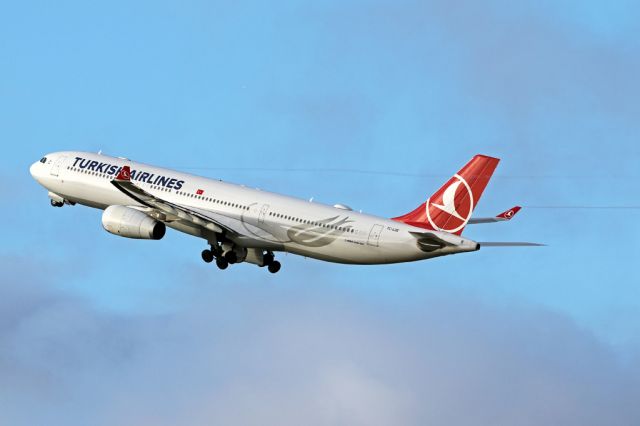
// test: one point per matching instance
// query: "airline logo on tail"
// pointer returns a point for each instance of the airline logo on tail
(456, 201)
(451, 207)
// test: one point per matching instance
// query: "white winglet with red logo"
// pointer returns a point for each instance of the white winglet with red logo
(509, 214)
(124, 175)
(450, 208)
(502, 217)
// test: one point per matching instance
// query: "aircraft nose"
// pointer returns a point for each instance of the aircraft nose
(35, 170)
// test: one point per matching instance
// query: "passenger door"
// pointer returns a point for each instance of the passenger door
(374, 235)
(263, 213)
(55, 168)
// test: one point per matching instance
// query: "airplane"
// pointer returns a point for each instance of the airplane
(241, 224)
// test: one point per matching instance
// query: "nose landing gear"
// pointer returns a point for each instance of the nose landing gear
(59, 201)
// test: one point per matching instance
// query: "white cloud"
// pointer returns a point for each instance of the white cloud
(300, 353)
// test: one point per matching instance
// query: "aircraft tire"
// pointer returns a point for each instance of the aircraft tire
(274, 266)
(268, 259)
(207, 256)
(231, 257)
(222, 263)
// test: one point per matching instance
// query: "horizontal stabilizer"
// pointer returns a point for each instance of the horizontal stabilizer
(509, 244)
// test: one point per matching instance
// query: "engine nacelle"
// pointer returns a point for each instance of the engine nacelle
(131, 223)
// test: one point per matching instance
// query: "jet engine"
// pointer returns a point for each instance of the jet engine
(131, 223)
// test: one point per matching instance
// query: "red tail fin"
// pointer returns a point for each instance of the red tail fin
(450, 208)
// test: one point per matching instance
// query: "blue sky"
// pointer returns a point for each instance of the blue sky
(406, 87)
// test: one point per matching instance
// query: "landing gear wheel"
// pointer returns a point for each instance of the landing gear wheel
(274, 267)
(56, 203)
(222, 263)
(207, 256)
(268, 259)
(231, 257)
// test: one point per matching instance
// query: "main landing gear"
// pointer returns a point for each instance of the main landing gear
(222, 262)
(274, 266)
(225, 258)
(207, 256)
(55, 203)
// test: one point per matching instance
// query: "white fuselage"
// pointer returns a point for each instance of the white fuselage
(270, 221)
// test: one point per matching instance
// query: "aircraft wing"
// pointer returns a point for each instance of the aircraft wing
(504, 216)
(167, 211)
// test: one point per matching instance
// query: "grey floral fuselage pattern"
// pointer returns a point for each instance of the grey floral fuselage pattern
(319, 233)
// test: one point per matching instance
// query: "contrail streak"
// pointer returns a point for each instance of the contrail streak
(383, 172)
(586, 207)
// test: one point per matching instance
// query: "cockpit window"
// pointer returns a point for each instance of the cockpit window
(43, 160)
